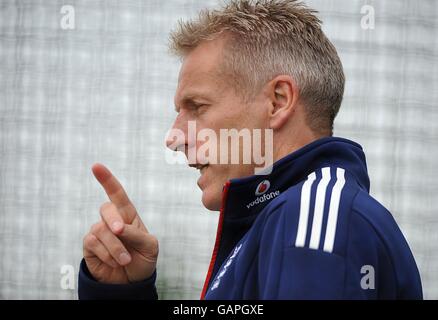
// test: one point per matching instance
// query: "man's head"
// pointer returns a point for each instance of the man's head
(255, 65)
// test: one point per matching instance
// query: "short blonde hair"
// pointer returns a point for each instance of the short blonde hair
(270, 38)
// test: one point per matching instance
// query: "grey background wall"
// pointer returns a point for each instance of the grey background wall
(103, 91)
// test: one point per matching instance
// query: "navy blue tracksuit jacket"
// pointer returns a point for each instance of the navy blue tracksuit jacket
(308, 230)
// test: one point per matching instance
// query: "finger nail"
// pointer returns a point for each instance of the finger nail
(117, 226)
(124, 258)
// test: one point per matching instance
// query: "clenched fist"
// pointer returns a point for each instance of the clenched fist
(119, 249)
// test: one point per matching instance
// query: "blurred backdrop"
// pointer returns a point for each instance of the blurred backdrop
(103, 92)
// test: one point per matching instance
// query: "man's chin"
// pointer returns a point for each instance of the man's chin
(211, 201)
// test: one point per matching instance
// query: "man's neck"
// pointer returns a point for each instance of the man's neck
(283, 147)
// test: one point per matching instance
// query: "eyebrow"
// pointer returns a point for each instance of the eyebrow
(190, 98)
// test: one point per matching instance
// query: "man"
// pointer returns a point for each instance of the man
(307, 230)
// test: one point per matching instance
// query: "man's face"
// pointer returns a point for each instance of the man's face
(205, 95)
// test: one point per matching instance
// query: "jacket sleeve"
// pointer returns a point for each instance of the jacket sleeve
(308, 274)
(305, 274)
(90, 289)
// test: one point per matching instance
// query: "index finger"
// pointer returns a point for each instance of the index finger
(115, 191)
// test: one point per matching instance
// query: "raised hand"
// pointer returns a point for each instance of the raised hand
(119, 249)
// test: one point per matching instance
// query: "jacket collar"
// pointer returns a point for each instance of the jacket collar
(248, 196)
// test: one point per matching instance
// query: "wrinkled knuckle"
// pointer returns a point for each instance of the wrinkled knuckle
(154, 245)
(107, 257)
(115, 251)
(90, 241)
(97, 228)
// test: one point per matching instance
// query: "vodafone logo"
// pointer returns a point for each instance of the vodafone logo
(262, 195)
(262, 187)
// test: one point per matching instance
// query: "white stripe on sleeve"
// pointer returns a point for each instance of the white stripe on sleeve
(319, 209)
(304, 210)
(333, 211)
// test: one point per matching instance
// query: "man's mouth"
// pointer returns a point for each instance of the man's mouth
(200, 167)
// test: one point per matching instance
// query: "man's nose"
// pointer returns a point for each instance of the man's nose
(176, 139)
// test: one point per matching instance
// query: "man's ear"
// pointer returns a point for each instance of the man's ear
(282, 93)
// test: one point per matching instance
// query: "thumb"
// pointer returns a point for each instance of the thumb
(140, 240)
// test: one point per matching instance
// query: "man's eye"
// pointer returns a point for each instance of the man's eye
(198, 106)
